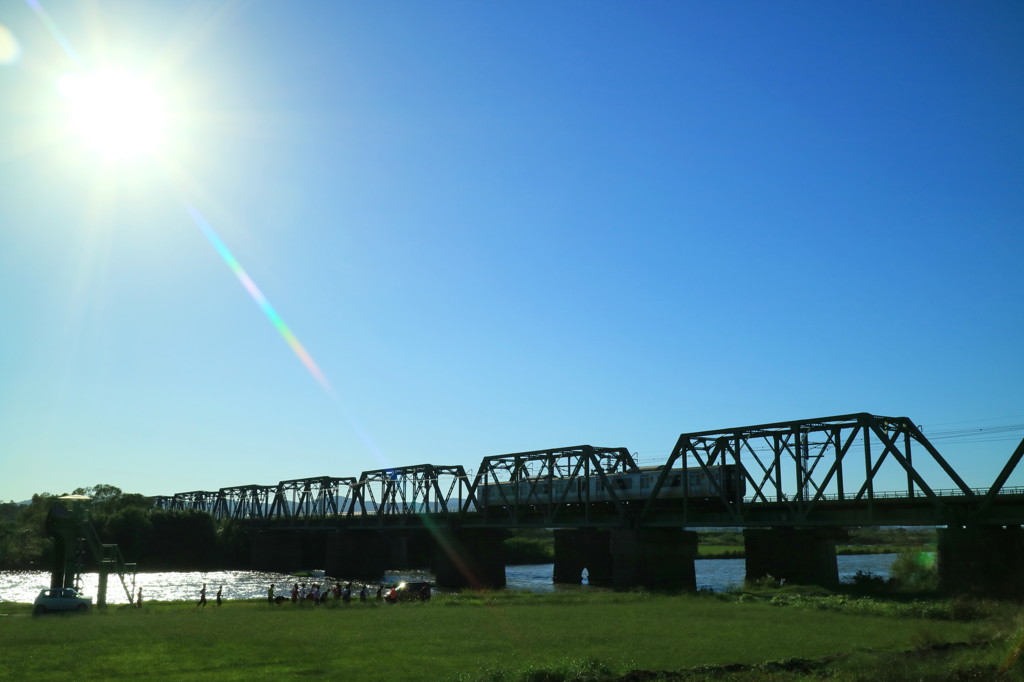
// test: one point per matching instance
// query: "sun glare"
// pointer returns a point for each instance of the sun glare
(116, 114)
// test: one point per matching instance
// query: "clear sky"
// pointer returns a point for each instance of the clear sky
(478, 228)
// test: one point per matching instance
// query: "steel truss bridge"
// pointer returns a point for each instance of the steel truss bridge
(812, 472)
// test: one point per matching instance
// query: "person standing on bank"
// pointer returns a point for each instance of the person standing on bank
(270, 594)
(219, 592)
(202, 596)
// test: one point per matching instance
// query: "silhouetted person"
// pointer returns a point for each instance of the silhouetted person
(270, 594)
(202, 596)
(219, 593)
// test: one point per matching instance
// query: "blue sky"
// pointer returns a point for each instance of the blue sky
(499, 227)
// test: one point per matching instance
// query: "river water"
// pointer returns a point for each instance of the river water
(712, 574)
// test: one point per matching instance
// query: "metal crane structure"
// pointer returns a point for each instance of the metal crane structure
(75, 539)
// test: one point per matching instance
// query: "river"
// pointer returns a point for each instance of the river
(712, 574)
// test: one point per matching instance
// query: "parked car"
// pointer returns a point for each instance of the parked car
(415, 591)
(61, 599)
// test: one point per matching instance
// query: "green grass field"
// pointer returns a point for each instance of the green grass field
(499, 636)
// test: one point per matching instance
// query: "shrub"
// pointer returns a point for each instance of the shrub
(868, 579)
(915, 570)
(768, 582)
(529, 550)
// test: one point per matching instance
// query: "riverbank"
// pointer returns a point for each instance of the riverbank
(512, 636)
(728, 544)
(538, 546)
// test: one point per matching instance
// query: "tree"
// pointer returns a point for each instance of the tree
(131, 529)
(101, 492)
(24, 543)
(9, 511)
(34, 513)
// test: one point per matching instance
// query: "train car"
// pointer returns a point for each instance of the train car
(631, 486)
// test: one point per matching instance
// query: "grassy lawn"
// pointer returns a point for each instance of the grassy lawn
(468, 637)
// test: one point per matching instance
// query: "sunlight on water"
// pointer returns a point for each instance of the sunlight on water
(713, 574)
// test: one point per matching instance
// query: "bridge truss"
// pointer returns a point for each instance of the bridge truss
(846, 470)
(403, 492)
(307, 499)
(549, 486)
(800, 466)
(244, 502)
(196, 500)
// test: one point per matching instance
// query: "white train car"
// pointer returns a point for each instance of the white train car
(632, 486)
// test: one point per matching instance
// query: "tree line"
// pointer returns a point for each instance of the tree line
(156, 539)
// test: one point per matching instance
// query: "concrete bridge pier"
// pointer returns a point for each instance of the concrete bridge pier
(357, 554)
(314, 551)
(985, 560)
(279, 551)
(806, 556)
(656, 558)
(419, 549)
(472, 558)
(398, 550)
(577, 549)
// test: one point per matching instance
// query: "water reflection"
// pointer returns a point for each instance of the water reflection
(713, 574)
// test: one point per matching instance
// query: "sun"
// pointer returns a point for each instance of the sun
(117, 114)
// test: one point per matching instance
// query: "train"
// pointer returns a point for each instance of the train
(629, 486)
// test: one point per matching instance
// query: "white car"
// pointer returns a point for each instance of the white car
(61, 599)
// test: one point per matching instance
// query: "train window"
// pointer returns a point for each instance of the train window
(675, 481)
(694, 479)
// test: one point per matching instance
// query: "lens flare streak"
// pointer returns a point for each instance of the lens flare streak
(260, 299)
(58, 35)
